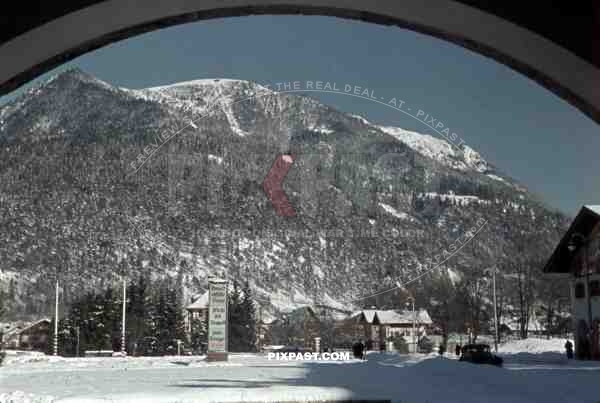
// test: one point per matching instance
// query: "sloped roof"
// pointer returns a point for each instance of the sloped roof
(37, 322)
(200, 303)
(585, 221)
(14, 328)
(391, 317)
(10, 327)
(369, 315)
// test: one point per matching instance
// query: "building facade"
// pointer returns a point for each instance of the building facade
(197, 310)
(378, 328)
(577, 258)
(33, 336)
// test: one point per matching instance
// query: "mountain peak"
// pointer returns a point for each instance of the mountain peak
(76, 75)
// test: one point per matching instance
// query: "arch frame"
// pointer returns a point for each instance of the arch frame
(74, 34)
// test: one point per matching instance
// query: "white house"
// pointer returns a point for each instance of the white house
(381, 325)
(197, 310)
(577, 257)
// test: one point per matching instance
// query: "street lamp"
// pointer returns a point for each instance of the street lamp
(56, 319)
(122, 263)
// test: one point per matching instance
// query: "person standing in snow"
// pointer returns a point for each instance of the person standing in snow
(457, 350)
(569, 348)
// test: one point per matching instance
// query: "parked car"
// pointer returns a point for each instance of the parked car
(479, 354)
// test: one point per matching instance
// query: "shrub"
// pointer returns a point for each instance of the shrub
(400, 344)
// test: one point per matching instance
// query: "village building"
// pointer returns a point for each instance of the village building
(299, 327)
(577, 258)
(263, 331)
(21, 335)
(379, 327)
(197, 310)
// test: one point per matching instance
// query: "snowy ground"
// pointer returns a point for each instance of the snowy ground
(538, 375)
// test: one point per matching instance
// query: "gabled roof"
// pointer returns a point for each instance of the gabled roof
(402, 317)
(584, 223)
(369, 315)
(15, 328)
(392, 317)
(200, 303)
(37, 322)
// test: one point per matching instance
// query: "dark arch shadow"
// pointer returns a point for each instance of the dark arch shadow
(573, 90)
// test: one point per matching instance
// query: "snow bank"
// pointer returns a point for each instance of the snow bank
(30, 358)
(534, 351)
(22, 397)
(533, 345)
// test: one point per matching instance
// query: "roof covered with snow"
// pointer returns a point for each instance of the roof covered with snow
(14, 328)
(200, 303)
(393, 317)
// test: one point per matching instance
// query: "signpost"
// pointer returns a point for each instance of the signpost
(217, 320)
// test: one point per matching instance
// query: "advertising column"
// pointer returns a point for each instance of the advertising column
(217, 320)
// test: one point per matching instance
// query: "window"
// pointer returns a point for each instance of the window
(579, 290)
(595, 288)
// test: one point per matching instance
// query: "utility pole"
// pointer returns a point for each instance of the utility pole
(495, 311)
(56, 321)
(260, 326)
(123, 350)
(493, 270)
(496, 338)
(77, 351)
(414, 325)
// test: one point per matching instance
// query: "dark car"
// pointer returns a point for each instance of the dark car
(479, 354)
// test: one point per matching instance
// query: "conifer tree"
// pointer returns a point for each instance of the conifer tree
(236, 326)
(248, 316)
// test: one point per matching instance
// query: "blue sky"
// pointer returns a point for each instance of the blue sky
(517, 125)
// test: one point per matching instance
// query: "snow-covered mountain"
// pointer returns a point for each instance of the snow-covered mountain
(461, 158)
(71, 199)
